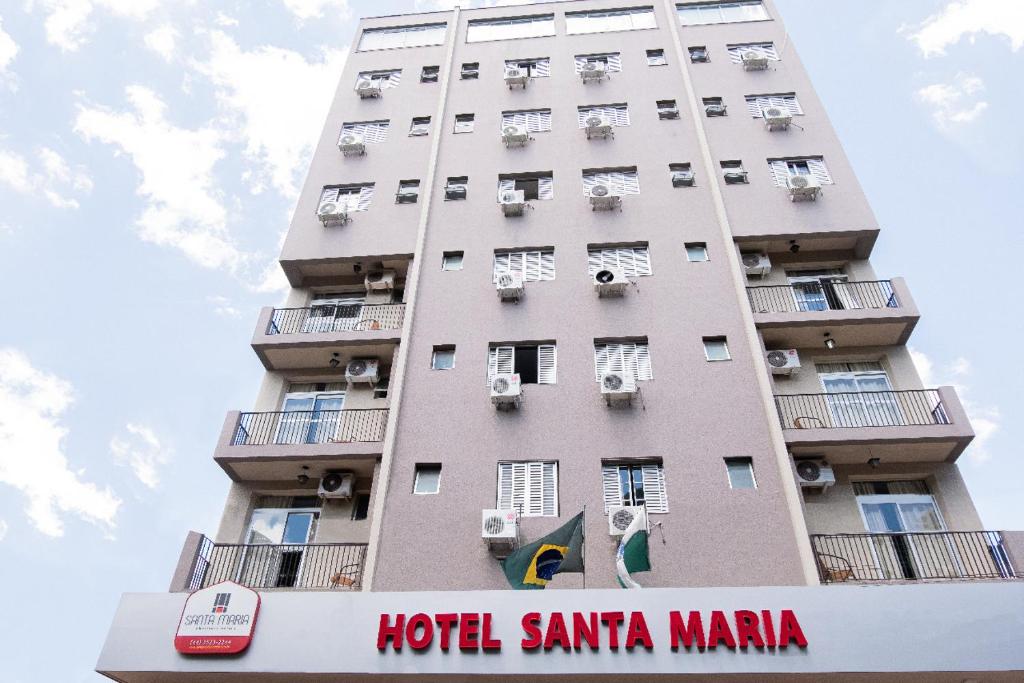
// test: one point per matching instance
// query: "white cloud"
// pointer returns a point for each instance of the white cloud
(140, 449)
(955, 103)
(67, 21)
(277, 100)
(223, 306)
(54, 178)
(162, 40)
(32, 460)
(968, 18)
(225, 20)
(8, 50)
(312, 9)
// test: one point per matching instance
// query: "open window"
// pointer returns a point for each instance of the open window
(534, 363)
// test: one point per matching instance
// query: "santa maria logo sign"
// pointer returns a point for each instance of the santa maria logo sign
(218, 620)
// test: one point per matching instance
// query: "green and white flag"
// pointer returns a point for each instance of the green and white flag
(632, 554)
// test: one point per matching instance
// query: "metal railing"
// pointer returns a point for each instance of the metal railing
(336, 318)
(861, 409)
(822, 295)
(911, 556)
(315, 426)
(297, 566)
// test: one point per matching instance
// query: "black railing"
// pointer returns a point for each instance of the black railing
(298, 566)
(311, 426)
(861, 409)
(822, 295)
(909, 556)
(336, 318)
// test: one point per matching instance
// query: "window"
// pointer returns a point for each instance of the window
(534, 120)
(733, 172)
(714, 106)
(535, 364)
(470, 70)
(814, 166)
(408, 192)
(531, 488)
(464, 123)
(430, 74)
(356, 197)
(372, 132)
(427, 480)
(634, 261)
(443, 358)
(533, 266)
(621, 181)
(681, 175)
(901, 506)
(401, 36)
(694, 14)
(388, 78)
(534, 185)
(656, 58)
(617, 114)
(640, 483)
(534, 68)
(610, 20)
(513, 27)
(361, 506)
(766, 50)
(696, 252)
(667, 109)
(698, 54)
(612, 61)
(787, 102)
(452, 260)
(456, 188)
(860, 395)
(716, 349)
(634, 357)
(380, 389)
(420, 126)
(741, 473)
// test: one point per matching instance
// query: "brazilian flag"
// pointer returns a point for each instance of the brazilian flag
(533, 565)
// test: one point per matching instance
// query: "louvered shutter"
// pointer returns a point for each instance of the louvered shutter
(655, 496)
(512, 486)
(766, 49)
(819, 171)
(539, 68)
(363, 199)
(642, 354)
(529, 487)
(501, 265)
(500, 360)
(634, 261)
(619, 182)
(612, 60)
(785, 102)
(549, 489)
(545, 187)
(388, 79)
(617, 114)
(779, 171)
(536, 121)
(505, 185)
(623, 357)
(373, 132)
(546, 364)
(610, 489)
(533, 266)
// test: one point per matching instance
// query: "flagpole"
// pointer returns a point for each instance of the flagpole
(583, 546)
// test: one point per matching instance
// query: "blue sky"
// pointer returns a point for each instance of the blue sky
(150, 154)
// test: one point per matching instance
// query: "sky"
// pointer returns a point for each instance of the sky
(151, 152)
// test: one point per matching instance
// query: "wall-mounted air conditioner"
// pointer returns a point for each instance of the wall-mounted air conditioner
(365, 370)
(618, 387)
(776, 118)
(500, 529)
(610, 282)
(783, 361)
(593, 71)
(756, 265)
(620, 517)
(753, 60)
(509, 286)
(516, 76)
(332, 211)
(597, 126)
(815, 473)
(368, 87)
(513, 202)
(337, 485)
(351, 143)
(514, 135)
(602, 199)
(802, 187)
(506, 390)
(379, 281)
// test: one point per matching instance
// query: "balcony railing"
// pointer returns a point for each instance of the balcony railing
(861, 409)
(318, 426)
(934, 555)
(825, 295)
(297, 566)
(336, 318)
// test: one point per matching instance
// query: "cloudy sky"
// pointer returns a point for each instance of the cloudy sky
(150, 154)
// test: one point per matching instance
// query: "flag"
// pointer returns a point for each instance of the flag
(632, 553)
(533, 565)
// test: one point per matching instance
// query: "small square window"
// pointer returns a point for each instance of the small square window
(698, 54)
(733, 172)
(667, 109)
(443, 358)
(430, 74)
(360, 506)
(714, 106)
(456, 188)
(656, 58)
(682, 175)
(464, 123)
(420, 126)
(452, 260)
(408, 192)
(741, 473)
(470, 70)
(696, 252)
(428, 479)
(716, 349)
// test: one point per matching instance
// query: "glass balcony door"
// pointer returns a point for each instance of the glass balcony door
(822, 290)
(861, 399)
(334, 313)
(310, 417)
(900, 553)
(276, 546)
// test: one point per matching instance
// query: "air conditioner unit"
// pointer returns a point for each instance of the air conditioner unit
(754, 60)
(682, 179)
(715, 109)
(618, 387)
(506, 390)
(776, 117)
(514, 75)
(756, 264)
(610, 282)
(368, 87)
(621, 516)
(783, 361)
(514, 135)
(513, 202)
(500, 527)
(735, 177)
(509, 286)
(596, 125)
(363, 370)
(802, 187)
(379, 281)
(602, 199)
(336, 485)
(593, 71)
(351, 143)
(331, 210)
(815, 474)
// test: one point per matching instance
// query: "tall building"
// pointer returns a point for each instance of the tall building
(575, 257)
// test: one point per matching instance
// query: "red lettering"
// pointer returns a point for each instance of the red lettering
(692, 630)
(637, 631)
(582, 629)
(789, 630)
(486, 640)
(531, 627)
(445, 623)
(556, 631)
(719, 631)
(747, 631)
(769, 627)
(613, 619)
(387, 632)
(469, 628)
(416, 621)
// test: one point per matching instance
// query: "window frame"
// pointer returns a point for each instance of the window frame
(575, 22)
(419, 122)
(469, 71)
(655, 54)
(652, 482)
(421, 467)
(546, 470)
(449, 186)
(633, 355)
(405, 31)
(430, 74)
(749, 467)
(461, 255)
(716, 340)
(721, 5)
(462, 124)
(701, 245)
(637, 263)
(523, 20)
(501, 359)
(440, 350)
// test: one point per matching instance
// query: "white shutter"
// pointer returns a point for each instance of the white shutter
(539, 68)
(365, 196)
(533, 266)
(817, 168)
(619, 182)
(549, 492)
(528, 487)
(766, 49)
(655, 496)
(642, 354)
(611, 491)
(819, 171)
(617, 114)
(501, 360)
(634, 261)
(545, 187)
(779, 171)
(755, 103)
(546, 364)
(373, 132)
(513, 485)
(612, 60)
(623, 357)
(535, 121)
(388, 79)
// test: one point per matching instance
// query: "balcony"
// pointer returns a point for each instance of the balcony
(872, 313)
(294, 338)
(252, 443)
(912, 556)
(924, 425)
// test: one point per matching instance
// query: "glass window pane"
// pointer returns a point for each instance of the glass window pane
(696, 252)
(297, 528)
(443, 359)
(267, 526)
(741, 473)
(716, 349)
(428, 479)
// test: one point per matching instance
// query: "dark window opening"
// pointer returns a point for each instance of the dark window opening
(530, 186)
(526, 364)
(470, 70)
(430, 74)
(361, 506)
(456, 188)
(699, 54)
(667, 109)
